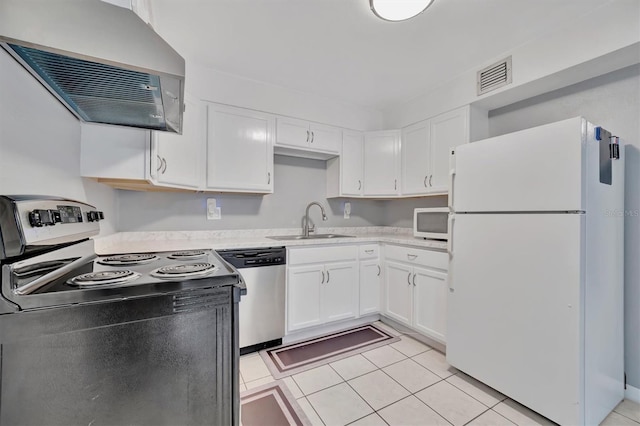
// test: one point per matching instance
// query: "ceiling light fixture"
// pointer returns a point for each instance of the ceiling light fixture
(398, 10)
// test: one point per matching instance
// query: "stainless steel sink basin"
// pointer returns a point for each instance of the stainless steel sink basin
(310, 237)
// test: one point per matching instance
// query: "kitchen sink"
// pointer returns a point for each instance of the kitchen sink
(310, 237)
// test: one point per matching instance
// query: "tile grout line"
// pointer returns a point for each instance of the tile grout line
(624, 415)
(467, 393)
(314, 409)
(488, 409)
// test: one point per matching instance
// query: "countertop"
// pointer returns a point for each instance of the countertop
(141, 242)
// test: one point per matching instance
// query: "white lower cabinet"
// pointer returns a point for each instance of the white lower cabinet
(399, 292)
(324, 291)
(416, 289)
(370, 279)
(303, 296)
(430, 302)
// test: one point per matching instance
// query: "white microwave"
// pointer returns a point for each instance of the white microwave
(431, 222)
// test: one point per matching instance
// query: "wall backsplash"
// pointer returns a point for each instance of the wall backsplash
(297, 181)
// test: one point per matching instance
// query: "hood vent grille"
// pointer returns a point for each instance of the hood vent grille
(494, 76)
(99, 93)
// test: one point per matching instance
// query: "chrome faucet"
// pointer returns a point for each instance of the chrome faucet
(306, 228)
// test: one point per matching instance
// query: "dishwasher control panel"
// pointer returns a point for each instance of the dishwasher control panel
(250, 258)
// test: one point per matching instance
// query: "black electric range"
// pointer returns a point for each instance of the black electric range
(141, 338)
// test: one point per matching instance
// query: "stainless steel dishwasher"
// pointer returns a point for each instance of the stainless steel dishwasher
(262, 309)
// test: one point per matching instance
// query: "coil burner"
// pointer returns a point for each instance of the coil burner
(187, 254)
(128, 259)
(185, 270)
(103, 278)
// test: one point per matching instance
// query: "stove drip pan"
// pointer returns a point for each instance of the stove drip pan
(103, 278)
(185, 270)
(187, 254)
(128, 259)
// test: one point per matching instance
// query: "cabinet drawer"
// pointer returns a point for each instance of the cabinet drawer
(298, 256)
(416, 256)
(369, 251)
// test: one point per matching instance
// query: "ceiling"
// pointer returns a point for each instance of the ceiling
(338, 49)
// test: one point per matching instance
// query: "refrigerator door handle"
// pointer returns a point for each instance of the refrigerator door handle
(450, 222)
(452, 174)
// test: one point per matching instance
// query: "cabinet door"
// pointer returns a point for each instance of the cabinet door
(416, 148)
(399, 290)
(324, 138)
(292, 132)
(370, 276)
(303, 296)
(177, 160)
(351, 163)
(339, 291)
(430, 302)
(381, 163)
(448, 130)
(240, 149)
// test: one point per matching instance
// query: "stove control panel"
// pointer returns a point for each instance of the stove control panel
(43, 221)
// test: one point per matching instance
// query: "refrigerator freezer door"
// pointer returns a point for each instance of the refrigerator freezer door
(537, 169)
(514, 316)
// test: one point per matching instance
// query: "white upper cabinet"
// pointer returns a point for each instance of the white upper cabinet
(416, 159)
(345, 173)
(178, 160)
(239, 149)
(381, 163)
(299, 136)
(448, 130)
(351, 163)
(325, 138)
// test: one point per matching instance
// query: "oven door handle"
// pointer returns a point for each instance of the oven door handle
(53, 275)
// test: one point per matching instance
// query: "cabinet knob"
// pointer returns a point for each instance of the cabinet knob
(414, 280)
(379, 270)
(307, 136)
(395, 184)
(312, 137)
(268, 178)
(359, 184)
(425, 181)
(411, 256)
(328, 277)
(322, 282)
(164, 161)
(430, 177)
(159, 163)
(409, 278)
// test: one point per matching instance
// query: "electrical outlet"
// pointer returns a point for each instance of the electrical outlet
(347, 210)
(213, 211)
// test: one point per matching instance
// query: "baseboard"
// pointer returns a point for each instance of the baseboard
(632, 394)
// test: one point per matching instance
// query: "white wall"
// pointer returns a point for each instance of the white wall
(40, 144)
(587, 46)
(216, 86)
(611, 101)
(297, 182)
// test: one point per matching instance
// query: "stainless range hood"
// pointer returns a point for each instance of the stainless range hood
(101, 61)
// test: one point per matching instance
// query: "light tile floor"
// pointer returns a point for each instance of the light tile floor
(404, 383)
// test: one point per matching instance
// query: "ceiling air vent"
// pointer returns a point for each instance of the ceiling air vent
(494, 76)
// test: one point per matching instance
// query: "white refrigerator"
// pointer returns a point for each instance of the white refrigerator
(535, 303)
